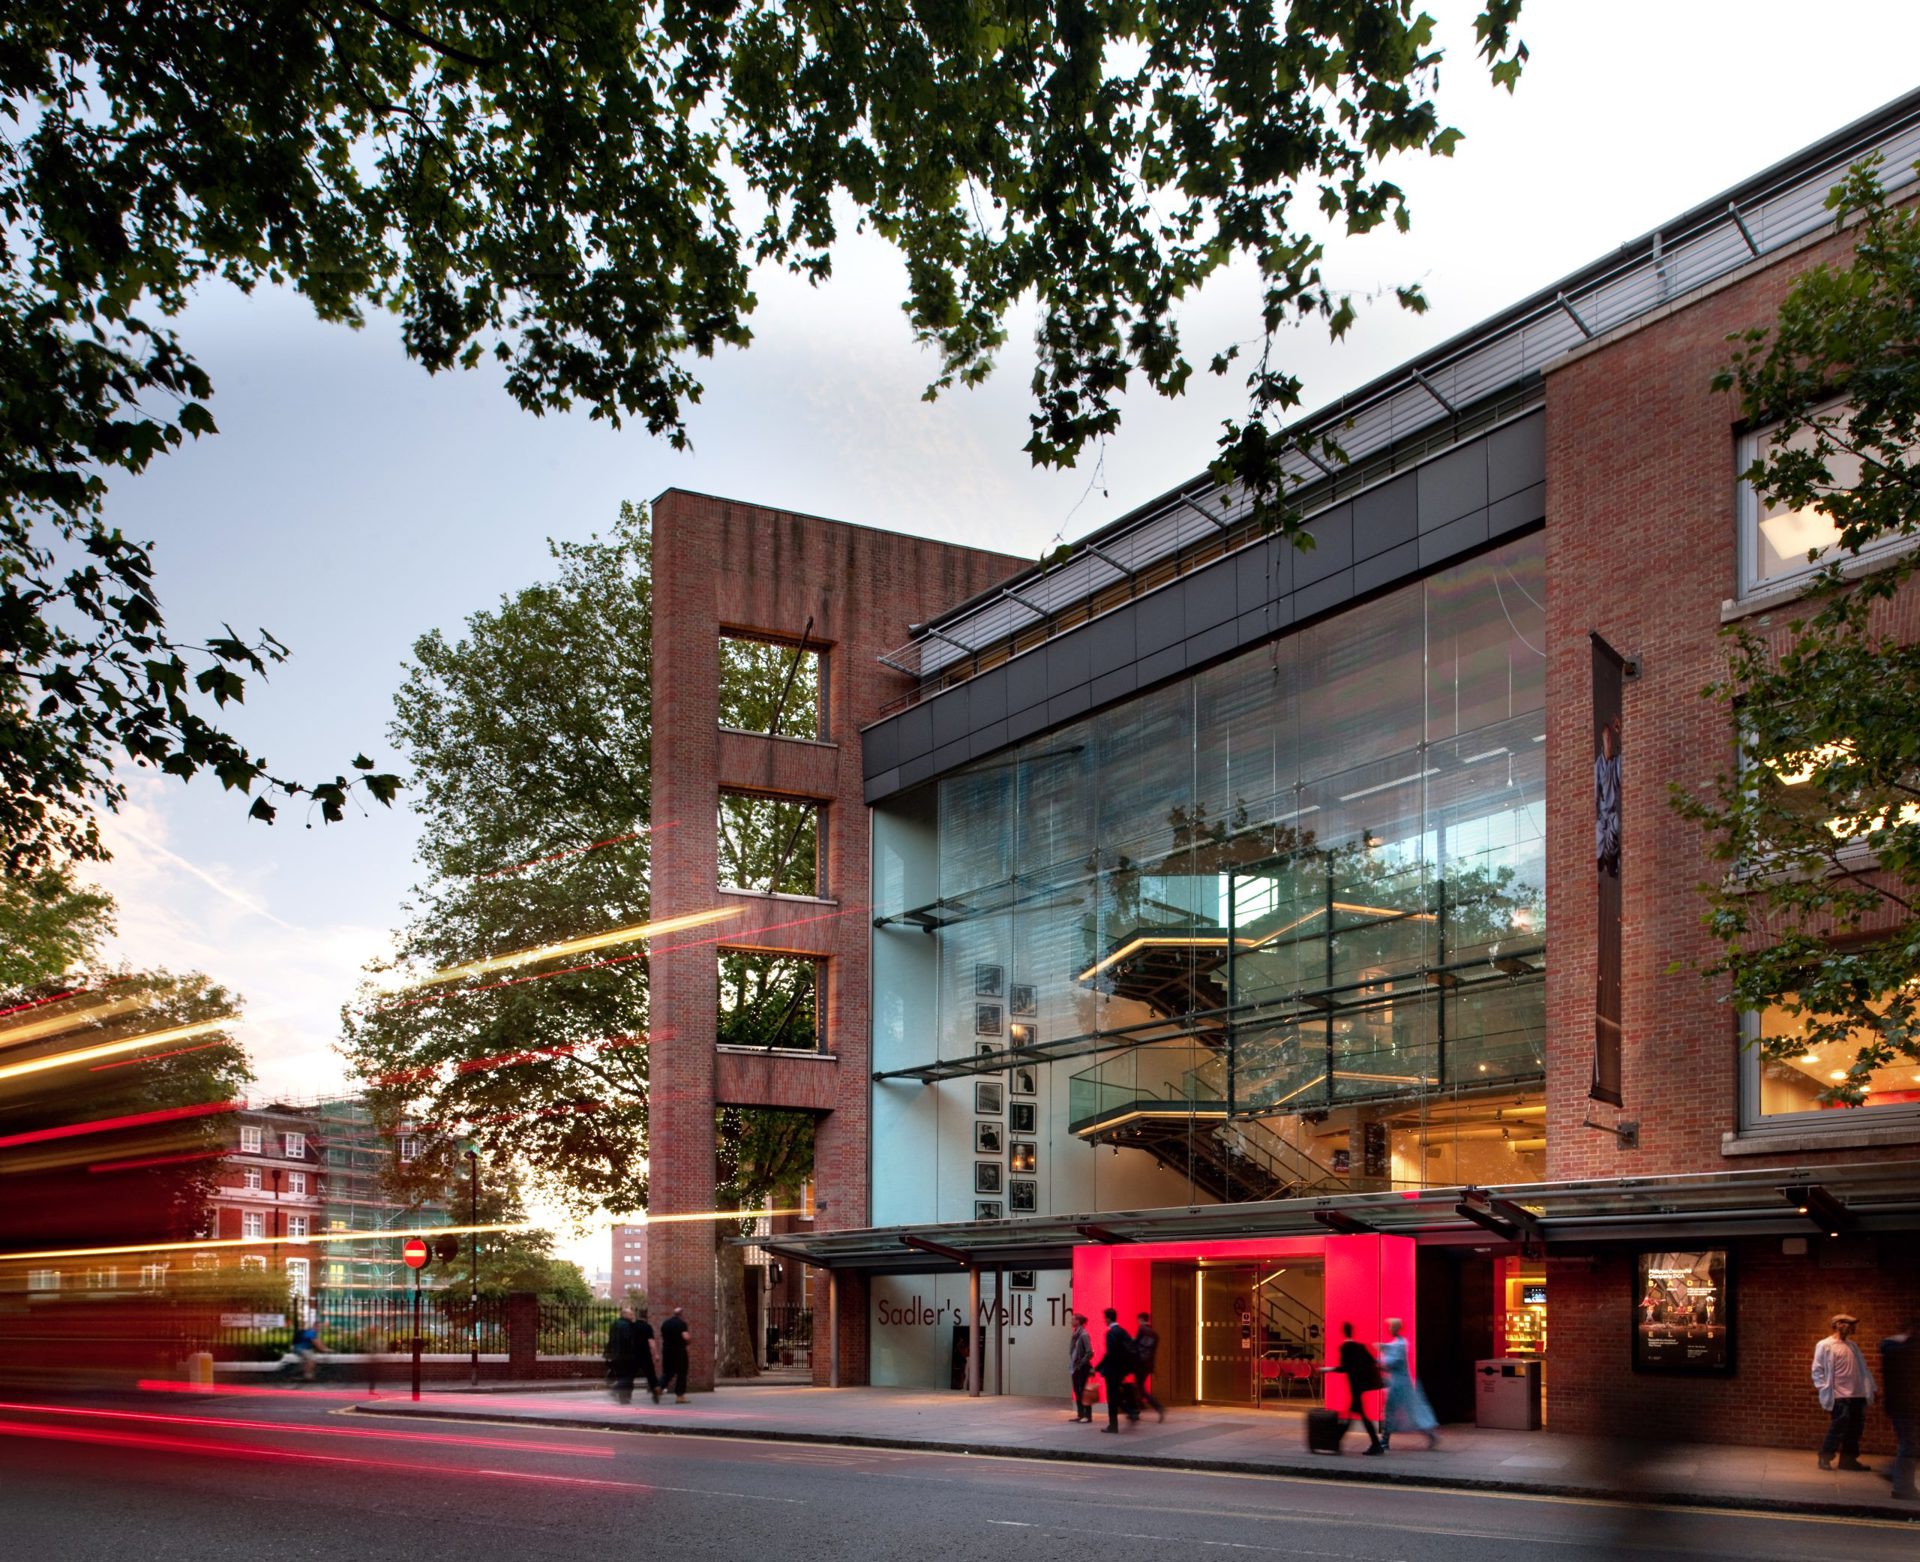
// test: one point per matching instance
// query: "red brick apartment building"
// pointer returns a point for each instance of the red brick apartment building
(1212, 926)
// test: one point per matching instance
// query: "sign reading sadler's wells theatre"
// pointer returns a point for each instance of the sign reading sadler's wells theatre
(1609, 670)
(1683, 1312)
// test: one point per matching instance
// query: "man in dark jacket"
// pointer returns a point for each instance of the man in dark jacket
(1115, 1367)
(1363, 1378)
(1146, 1346)
(643, 1352)
(1900, 1386)
(673, 1356)
(622, 1356)
(1080, 1366)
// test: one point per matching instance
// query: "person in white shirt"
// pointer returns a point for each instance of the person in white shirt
(1845, 1387)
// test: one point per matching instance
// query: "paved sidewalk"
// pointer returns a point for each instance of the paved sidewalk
(1270, 1442)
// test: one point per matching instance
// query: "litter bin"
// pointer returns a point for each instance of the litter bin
(1507, 1393)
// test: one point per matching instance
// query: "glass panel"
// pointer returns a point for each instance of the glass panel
(1792, 1084)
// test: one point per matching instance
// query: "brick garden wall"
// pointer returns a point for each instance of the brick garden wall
(720, 564)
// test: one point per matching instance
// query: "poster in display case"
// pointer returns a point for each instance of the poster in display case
(1683, 1311)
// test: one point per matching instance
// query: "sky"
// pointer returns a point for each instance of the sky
(351, 503)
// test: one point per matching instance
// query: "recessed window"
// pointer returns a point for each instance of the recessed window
(253, 1225)
(298, 1276)
(254, 1262)
(296, 1147)
(1785, 1089)
(773, 687)
(297, 1182)
(249, 1141)
(296, 1225)
(771, 845)
(250, 1178)
(409, 1147)
(769, 1001)
(1778, 543)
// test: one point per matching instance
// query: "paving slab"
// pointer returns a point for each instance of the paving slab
(1231, 1441)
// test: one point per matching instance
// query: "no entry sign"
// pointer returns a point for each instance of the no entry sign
(415, 1253)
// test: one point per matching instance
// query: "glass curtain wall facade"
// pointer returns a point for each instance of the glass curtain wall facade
(1299, 895)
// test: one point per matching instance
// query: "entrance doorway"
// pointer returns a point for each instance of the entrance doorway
(1249, 1333)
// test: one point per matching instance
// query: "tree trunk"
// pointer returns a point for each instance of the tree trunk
(734, 1355)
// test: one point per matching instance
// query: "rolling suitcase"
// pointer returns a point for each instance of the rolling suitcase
(1323, 1432)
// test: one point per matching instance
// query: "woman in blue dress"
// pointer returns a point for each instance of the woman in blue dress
(1407, 1407)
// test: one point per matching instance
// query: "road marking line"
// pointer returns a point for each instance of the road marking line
(594, 1480)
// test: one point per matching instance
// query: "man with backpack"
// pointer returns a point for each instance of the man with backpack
(1146, 1347)
(1116, 1366)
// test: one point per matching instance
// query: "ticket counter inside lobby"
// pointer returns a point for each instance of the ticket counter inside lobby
(1250, 1323)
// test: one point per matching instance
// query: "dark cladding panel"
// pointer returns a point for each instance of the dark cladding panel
(950, 716)
(1122, 681)
(1069, 662)
(1388, 568)
(1517, 456)
(880, 747)
(948, 755)
(1026, 681)
(1332, 549)
(987, 697)
(1211, 643)
(985, 740)
(1162, 622)
(1112, 640)
(916, 733)
(1453, 539)
(1517, 511)
(1385, 516)
(1211, 599)
(1452, 485)
(1024, 723)
(1064, 707)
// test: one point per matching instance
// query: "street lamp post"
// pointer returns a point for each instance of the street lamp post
(473, 1262)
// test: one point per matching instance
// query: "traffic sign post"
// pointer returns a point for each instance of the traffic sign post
(415, 1255)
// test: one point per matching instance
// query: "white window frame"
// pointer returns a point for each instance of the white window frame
(250, 1179)
(253, 1262)
(253, 1226)
(297, 1183)
(295, 1146)
(43, 1279)
(409, 1147)
(297, 1226)
(249, 1139)
(1747, 507)
(300, 1277)
(153, 1276)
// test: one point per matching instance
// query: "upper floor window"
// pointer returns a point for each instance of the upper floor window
(297, 1182)
(770, 1001)
(249, 1140)
(253, 1224)
(250, 1177)
(409, 1147)
(296, 1147)
(771, 845)
(1778, 543)
(774, 687)
(1782, 1085)
(296, 1225)
(299, 1276)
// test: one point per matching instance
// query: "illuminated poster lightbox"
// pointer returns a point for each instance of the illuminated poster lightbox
(1683, 1312)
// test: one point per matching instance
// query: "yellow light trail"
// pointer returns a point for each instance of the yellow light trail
(38, 1030)
(398, 1234)
(108, 1049)
(572, 946)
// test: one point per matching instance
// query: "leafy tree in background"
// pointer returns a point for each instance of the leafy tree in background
(530, 742)
(1819, 826)
(49, 925)
(577, 191)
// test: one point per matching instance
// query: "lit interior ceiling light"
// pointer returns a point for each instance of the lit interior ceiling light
(1852, 826)
(1838, 1073)
(573, 946)
(1793, 534)
(108, 1049)
(1368, 791)
(1802, 773)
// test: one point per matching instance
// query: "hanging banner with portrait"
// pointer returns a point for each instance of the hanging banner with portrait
(1609, 671)
(1683, 1312)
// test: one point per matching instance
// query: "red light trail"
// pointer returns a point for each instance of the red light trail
(155, 1057)
(109, 1124)
(575, 851)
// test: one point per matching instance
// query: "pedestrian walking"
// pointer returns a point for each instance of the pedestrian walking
(1116, 1366)
(1900, 1366)
(1146, 1349)
(643, 1352)
(1406, 1409)
(673, 1356)
(1363, 1378)
(1846, 1388)
(1080, 1368)
(306, 1349)
(622, 1357)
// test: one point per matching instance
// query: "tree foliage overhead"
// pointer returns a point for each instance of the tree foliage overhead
(577, 191)
(1819, 826)
(49, 925)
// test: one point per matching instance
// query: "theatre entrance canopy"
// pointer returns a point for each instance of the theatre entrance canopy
(1774, 1201)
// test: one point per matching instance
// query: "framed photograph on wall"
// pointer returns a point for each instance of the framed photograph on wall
(1023, 1155)
(986, 1019)
(989, 1097)
(1023, 1193)
(1026, 1081)
(986, 1177)
(1023, 1000)
(1683, 1312)
(987, 1138)
(986, 1049)
(1020, 1280)
(988, 981)
(986, 1209)
(1021, 1116)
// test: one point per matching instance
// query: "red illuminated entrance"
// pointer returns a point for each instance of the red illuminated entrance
(1255, 1321)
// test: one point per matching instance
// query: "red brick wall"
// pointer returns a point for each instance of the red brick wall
(1641, 547)
(1782, 1307)
(719, 563)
